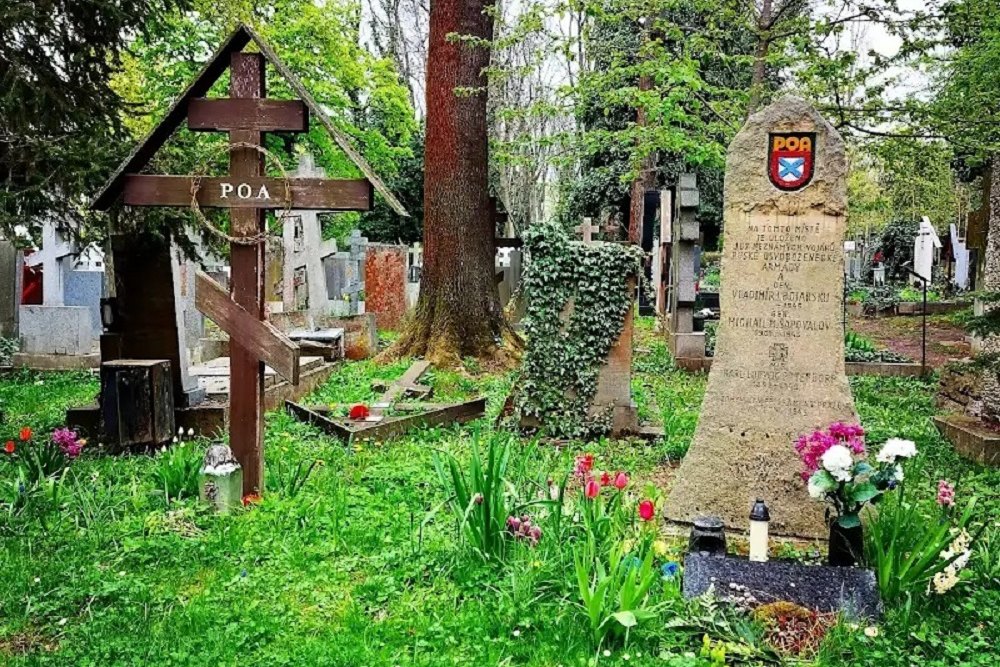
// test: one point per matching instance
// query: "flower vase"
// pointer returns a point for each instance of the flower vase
(847, 545)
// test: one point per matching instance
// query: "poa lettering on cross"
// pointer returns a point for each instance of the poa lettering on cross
(247, 192)
(243, 191)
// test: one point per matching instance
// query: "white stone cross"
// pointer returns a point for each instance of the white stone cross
(52, 257)
(924, 245)
(586, 230)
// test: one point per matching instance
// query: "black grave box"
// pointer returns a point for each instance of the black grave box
(850, 590)
(137, 402)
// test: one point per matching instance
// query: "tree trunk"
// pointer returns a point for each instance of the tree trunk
(644, 179)
(760, 57)
(991, 283)
(458, 313)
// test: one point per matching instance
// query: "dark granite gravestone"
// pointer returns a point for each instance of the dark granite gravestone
(850, 590)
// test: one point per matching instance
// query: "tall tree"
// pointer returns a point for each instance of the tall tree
(458, 313)
(59, 118)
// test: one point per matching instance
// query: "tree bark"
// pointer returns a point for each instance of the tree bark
(458, 313)
(991, 283)
(760, 57)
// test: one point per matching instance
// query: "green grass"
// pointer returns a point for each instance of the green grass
(364, 567)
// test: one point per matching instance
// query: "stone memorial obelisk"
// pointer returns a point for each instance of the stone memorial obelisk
(778, 370)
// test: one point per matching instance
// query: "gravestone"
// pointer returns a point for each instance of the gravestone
(778, 370)
(385, 284)
(414, 268)
(61, 332)
(684, 341)
(661, 253)
(925, 246)
(345, 277)
(960, 254)
(10, 289)
(303, 277)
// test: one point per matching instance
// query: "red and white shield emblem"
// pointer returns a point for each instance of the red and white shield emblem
(790, 161)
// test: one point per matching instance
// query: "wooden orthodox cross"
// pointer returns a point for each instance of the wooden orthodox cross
(247, 193)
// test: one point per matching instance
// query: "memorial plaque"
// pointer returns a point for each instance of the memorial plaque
(778, 371)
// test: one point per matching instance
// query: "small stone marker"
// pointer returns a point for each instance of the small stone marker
(778, 371)
(586, 230)
(221, 479)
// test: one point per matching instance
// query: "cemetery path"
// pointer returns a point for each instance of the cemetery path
(946, 340)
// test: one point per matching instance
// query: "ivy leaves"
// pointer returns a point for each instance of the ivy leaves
(578, 296)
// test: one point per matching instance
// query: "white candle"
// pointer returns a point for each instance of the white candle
(759, 518)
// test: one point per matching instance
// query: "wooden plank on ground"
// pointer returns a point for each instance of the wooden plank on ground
(259, 338)
(456, 413)
(308, 416)
(399, 387)
(249, 192)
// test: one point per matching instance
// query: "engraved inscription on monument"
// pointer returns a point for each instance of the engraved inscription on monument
(779, 365)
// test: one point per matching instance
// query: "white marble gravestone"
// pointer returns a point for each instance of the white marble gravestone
(925, 248)
(304, 278)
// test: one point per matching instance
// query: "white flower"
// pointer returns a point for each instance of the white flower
(896, 448)
(897, 474)
(815, 490)
(871, 631)
(944, 581)
(838, 462)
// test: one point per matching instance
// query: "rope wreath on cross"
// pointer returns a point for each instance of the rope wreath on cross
(200, 217)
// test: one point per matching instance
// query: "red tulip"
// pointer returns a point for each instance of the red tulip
(605, 478)
(360, 411)
(621, 480)
(591, 489)
(9, 447)
(647, 510)
(25, 434)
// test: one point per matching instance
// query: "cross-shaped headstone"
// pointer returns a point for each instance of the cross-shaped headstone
(611, 230)
(586, 230)
(53, 258)
(247, 192)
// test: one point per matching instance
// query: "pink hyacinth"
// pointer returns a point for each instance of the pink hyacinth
(68, 442)
(946, 494)
(523, 528)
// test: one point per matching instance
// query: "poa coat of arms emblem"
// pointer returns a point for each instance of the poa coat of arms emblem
(791, 158)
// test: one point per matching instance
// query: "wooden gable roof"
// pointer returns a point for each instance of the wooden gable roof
(210, 73)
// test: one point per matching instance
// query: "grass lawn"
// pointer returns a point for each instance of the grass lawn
(365, 566)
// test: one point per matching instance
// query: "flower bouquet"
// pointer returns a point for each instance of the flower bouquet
(837, 471)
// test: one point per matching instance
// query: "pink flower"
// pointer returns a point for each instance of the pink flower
(812, 447)
(68, 442)
(621, 480)
(647, 510)
(946, 494)
(584, 464)
(591, 489)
